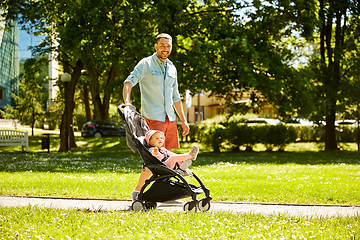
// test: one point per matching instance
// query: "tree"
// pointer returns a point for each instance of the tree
(336, 61)
(328, 84)
(215, 49)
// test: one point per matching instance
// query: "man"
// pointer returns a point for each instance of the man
(157, 78)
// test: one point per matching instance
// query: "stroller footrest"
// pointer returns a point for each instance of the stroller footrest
(197, 190)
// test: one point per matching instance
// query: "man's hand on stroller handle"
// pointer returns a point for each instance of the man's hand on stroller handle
(130, 105)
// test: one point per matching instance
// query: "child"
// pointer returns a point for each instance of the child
(155, 139)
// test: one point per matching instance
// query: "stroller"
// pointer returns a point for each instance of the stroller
(165, 184)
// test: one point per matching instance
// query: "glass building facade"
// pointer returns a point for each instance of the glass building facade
(9, 63)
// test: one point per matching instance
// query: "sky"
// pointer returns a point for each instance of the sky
(25, 41)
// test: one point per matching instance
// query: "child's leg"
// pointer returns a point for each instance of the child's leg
(170, 162)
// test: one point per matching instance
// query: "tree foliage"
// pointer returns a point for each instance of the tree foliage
(225, 47)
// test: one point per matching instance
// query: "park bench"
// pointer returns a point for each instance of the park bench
(14, 138)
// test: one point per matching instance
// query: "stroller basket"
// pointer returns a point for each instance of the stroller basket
(165, 184)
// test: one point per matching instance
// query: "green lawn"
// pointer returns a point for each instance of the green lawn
(36, 223)
(106, 168)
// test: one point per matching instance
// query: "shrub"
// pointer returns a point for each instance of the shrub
(309, 133)
(194, 134)
(303, 133)
(239, 134)
(214, 136)
(346, 134)
(273, 136)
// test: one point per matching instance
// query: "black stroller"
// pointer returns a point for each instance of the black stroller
(165, 184)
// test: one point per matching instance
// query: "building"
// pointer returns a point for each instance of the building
(212, 106)
(9, 63)
(14, 47)
(26, 41)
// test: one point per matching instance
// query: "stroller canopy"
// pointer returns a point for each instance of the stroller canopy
(135, 126)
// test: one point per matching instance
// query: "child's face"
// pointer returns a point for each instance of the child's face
(156, 140)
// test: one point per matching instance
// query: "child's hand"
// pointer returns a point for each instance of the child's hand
(155, 152)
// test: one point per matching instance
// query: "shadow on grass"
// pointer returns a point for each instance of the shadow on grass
(113, 155)
(304, 158)
(91, 155)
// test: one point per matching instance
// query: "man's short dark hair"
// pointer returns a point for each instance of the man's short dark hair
(163, 35)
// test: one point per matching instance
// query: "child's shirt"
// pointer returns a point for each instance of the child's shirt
(163, 153)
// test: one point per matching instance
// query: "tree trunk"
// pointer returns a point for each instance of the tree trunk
(330, 69)
(87, 104)
(32, 124)
(101, 106)
(71, 105)
(330, 136)
(333, 87)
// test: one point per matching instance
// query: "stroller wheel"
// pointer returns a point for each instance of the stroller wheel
(190, 206)
(204, 204)
(137, 206)
(151, 205)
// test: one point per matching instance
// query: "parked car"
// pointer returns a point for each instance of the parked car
(345, 122)
(100, 129)
(270, 121)
(301, 121)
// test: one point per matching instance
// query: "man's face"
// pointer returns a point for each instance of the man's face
(163, 48)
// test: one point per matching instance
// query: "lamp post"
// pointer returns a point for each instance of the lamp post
(65, 78)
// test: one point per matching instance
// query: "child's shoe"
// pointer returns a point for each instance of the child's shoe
(134, 195)
(186, 164)
(194, 152)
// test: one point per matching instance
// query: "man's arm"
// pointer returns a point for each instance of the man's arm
(126, 94)
(179, 110)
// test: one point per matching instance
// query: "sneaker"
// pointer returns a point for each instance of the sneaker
(186, 164)
(194, 152)
(134, 195)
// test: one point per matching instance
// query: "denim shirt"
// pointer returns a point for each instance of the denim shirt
(159, 90)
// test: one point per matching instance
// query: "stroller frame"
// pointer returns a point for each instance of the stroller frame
(165, 184)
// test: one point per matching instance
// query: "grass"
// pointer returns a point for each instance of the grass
(106, 168)
(39, 223)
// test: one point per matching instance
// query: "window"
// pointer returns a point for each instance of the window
(2, 93)
(220, 111)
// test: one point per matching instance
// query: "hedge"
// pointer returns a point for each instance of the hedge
(235, 135)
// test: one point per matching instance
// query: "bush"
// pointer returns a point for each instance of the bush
(346, 134)
(194, 134)
(239, 134)
(214, 136)
(277, 136)
(309, 133)
(303, 133)
(79, 120)
(232, 133)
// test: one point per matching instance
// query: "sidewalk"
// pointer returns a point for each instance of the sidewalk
(177, 206)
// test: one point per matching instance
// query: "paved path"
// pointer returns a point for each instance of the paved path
(177, 206)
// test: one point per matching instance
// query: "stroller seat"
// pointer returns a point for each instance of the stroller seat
(165, 184)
